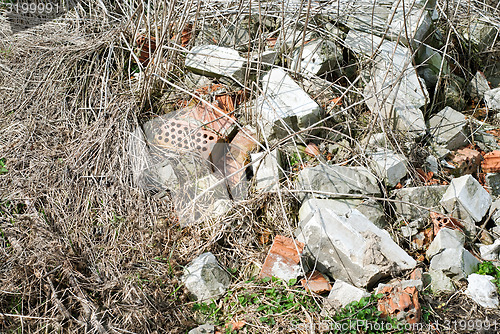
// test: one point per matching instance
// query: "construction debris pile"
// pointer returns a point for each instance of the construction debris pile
(270, 115)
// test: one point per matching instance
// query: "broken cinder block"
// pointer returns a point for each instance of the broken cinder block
(449, 127)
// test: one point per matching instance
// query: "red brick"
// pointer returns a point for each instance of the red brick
(282, 250)
(316, 283)
(491, 163)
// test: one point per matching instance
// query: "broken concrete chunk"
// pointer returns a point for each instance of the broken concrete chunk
(440, 283)
(492, 98)
(482, 290)
(283, 259)
(456, 263)
(267, 170)
(343, 294)
(326, 181)
(217, 61)
(490, 252)
(424, 199)
(370, 208)
(389, 166)
(449, 127)
(204, 278)
(316, 282)
(395, 91)
(284, 101)
(317, 57)
(203, 329)
(445, 238)
(478, 85)
(466, 193)
(350, 247)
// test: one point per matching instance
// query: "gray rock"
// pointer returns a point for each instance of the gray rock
(466, 194)
(317, 57)
(425, 198)
(336, 182)
(440, 283)
(204, 278)
(285, 107)
(343, 294)
(449, 127)
(492, 98)
(408, 231)
(203, 329)
(349, 247)
(432, 164)
(417, 283)
(486, 141)
(235, 36)
(495, 212)
(478, 86)
(482, 290)
(456, 263)
(388, 165)
(490, 252)
(267, 172)
(480, 32)
(217, 61)
(446, 238)
(492, 181)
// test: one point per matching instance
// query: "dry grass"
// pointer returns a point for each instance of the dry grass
(82, 248)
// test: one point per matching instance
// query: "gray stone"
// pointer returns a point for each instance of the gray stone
(486, 141)
(336, 182)
(408, 231)
(388, 165)
(349, 247)
(465, 193)
(482, 290)
(449, 127)
(478, 86)
(480, 33)
(440, 283)
(217, 61)
(235, 36)
(492, 98)
(456, 263)
(267, 170)
(342, 294)
(399, 102)
(204, 278)
(203, 329)
(424, 199)
(490, 252)
(446, 238)
(317, 57)
(285, 108)
(495, 211)
(432, 164)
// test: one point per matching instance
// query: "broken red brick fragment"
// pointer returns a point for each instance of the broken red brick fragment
(147, 46)
(400, 303)
(312, 150)
(467, 161)
(316, 283)
(441, 221)
(284, 255)
(244, 142)
(491, 162)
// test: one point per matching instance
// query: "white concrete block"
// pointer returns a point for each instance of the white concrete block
(490, 252)
(350, 247)
(388, 165)
(446, 238)
(456, 263)
(267, 171)
(482, 290)
(213, 60)
(467, 193)
(343, 294)
(317, 57)
(449, 127)
(492, 98)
